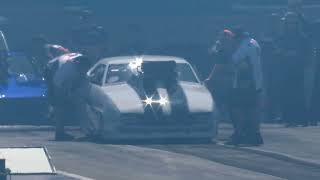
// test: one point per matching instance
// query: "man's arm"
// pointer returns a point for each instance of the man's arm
(220, 58)
(211, 73)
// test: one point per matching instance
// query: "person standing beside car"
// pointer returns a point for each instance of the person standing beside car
(219, 80)
(246, 90)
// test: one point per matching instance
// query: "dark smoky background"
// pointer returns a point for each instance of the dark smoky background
(182, 28)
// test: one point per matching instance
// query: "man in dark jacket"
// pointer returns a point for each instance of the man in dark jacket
(219, 80)
(294, 51)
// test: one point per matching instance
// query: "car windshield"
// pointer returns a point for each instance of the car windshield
(118, 73)
(19, 64)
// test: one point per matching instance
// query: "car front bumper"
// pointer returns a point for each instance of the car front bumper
(168, 128)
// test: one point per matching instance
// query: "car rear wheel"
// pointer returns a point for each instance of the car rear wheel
(95, 124)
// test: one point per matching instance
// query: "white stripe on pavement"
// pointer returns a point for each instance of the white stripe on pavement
(74, 175)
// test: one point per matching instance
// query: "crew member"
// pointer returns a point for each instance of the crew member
(246, 89)
(294, 51)
(68, 72)
(220, 79)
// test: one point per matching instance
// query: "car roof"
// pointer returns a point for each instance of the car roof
(128, 59)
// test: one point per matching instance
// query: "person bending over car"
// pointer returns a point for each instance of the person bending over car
(68, 71)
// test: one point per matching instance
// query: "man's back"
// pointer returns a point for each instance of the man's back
(63, 71)
(249, 49)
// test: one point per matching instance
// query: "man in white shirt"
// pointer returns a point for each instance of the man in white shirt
(67, 73)
(247, 87)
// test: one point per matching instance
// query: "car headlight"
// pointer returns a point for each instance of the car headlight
(150, 100)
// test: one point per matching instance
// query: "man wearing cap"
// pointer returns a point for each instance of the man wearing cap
(219, 79)
(247, 86)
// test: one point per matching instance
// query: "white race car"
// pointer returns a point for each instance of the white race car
(146, 97)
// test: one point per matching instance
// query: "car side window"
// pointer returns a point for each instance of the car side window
(97, 74)
(185, 73)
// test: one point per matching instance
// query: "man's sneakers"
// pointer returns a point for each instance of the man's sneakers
(235, 140)
(242, 140)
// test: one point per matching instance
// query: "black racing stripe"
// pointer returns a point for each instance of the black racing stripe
(154, 111)
(150, 112)
(180, 109)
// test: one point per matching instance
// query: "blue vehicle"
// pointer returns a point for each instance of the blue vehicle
(23, 94)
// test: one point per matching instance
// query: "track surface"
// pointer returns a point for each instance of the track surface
(188, 161)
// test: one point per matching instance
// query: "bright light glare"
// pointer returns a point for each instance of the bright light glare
(148, 101)
(139, 61)
(135, 64)
(163, 101)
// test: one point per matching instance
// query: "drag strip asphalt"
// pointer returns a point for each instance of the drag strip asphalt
(166, 161)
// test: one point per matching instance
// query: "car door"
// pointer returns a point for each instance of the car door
(92, 121)
(96, 79)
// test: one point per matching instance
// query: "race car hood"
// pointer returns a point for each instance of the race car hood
(192, 97)
(28, 89)
(199, 99)
(124, 98)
